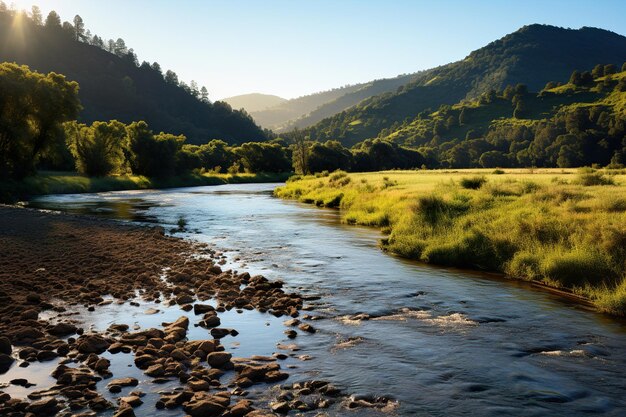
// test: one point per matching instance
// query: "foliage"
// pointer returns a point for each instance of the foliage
(99, 149)
(33, 108)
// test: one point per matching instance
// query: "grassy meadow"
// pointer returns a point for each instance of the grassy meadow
(52, 182)
(564, 228)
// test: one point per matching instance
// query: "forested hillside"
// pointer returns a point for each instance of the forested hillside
(113, 84)
(532, 56)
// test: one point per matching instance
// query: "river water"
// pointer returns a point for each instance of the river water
(441, 342)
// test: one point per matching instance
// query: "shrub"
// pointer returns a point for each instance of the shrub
(576, 268)
(497, 172)
(473, 183)
(588, 179)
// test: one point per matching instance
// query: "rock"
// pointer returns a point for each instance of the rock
(124, 411)
(132, 400)
(30, 314)
(199, 385)
(242, 408)
(125, 382)
(155, 370)
(33, 298)
(93, 344)
(46, 355)
(184, 299)
(62, 329)
(280, 407)
(118, 327)
(204, 408)
(26, 336)
(115, 389)
(218, 359)
(292, 322)
(5, 362)
(102, 365)
(218, 333)
(210, 321)
(307, 328)
(182, 322)
(46, 407)
(202, 308)
(5, 345)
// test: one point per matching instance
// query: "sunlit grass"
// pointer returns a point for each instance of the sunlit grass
(563, 228)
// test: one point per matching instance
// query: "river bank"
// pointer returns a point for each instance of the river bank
(56, 269)
(50, 182)
(561, 228)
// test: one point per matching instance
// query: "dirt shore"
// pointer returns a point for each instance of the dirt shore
(50, 262)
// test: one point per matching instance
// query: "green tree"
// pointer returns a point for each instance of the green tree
(610, 69)
(98, 149)
(575, 78)
(598, 71)
(33, 107)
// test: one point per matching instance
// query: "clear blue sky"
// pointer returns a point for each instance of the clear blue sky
(292, 47)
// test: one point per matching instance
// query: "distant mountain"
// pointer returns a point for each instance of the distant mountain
(254, 102)
(115, 86)
(533, 55)
(307, 110)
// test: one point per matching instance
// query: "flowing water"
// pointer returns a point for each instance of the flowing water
(439, 341)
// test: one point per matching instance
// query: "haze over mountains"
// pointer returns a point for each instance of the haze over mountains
(533, 55)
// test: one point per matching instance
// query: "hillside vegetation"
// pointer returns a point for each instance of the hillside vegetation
(565, 229)
(533, 56)
(114, 85)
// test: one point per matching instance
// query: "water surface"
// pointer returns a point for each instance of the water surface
(442, 342)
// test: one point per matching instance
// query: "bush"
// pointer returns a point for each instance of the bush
(497, 172)
(594, 178)
(576, 268)
(473, 183)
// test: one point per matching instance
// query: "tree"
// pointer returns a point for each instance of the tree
(68, 28)
(53, 20)
(263, 157)
(610, 69)
(598, 71)
(36, 16)
(99, 149)
(152, 155)
(575, 78)
(171, 77)
(204, 95)
(624, 66)
(156, 67)
(521, 109)
(493, 159)
(33, 107)
(97, 41)
(120, 48)
(79, 28)
(300, 152)
(194, 89)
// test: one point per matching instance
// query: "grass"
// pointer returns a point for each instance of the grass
(49, 182)
(561, 228)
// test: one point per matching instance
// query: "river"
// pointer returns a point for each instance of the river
(441, 342)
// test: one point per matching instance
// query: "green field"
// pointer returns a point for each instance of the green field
(562, 228)
(70, 183)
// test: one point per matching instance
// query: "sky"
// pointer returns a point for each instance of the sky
(294, 47)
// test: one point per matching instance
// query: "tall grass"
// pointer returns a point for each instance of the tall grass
(563, 233)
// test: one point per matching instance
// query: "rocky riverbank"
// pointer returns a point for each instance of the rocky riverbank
(52, 266)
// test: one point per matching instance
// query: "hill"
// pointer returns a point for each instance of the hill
(116, 86)
(254, 102)
(307, 110)
(533, 55)
(579, 123)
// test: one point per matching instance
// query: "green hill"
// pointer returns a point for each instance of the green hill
(116, 86)
(582, 122)
(533, 55)
(254, 102)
